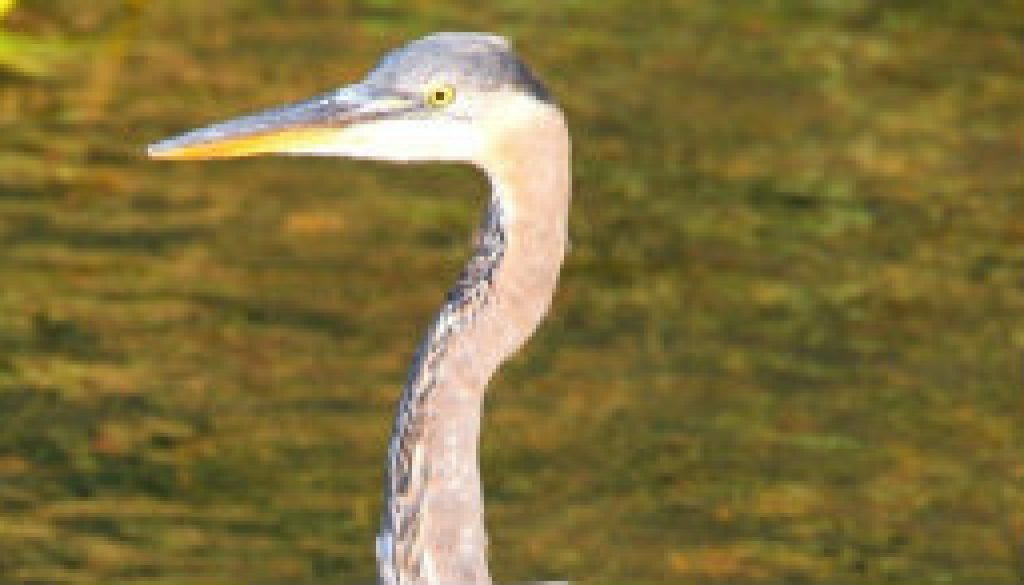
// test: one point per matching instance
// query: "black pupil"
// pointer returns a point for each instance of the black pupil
(440, 95)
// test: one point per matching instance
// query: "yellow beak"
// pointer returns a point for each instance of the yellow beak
(294, 128)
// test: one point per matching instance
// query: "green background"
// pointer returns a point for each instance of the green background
(787, 346)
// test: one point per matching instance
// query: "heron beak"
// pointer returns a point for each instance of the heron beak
(303, 127)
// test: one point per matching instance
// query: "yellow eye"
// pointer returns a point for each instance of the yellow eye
(441, 95)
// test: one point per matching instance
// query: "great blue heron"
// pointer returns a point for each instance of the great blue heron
(446, 97)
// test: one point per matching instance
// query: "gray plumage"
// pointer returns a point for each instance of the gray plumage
(472, 62)
(407, 477)
(493, 113)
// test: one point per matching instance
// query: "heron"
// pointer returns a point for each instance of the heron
(454, 97)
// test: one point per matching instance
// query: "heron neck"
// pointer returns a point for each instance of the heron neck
(433, 523)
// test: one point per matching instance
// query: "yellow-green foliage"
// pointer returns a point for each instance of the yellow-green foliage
(786, 348)
(6, 6)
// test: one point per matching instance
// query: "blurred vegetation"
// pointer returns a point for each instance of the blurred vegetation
(787, 347)
(24, 54)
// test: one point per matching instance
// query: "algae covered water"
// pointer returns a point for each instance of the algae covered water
(786, 347)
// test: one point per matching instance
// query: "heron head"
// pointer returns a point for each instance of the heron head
(447, 96)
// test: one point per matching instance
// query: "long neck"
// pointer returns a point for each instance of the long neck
(433, 520)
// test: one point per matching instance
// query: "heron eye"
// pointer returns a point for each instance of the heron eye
(441, 95)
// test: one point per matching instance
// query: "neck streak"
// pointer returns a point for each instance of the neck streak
(432, 527)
